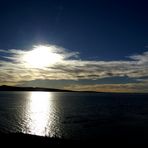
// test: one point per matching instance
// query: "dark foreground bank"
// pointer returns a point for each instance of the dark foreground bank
(136, 138)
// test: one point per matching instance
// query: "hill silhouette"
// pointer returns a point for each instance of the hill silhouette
(15, 88)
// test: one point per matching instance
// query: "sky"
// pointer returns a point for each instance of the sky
(99, 45)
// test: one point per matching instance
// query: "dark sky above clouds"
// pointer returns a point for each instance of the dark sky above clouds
(99, 30)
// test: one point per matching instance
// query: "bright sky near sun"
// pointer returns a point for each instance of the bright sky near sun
(77, 44)
(41, 56)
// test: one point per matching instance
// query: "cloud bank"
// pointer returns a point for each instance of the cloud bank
(130, 87)
(13, 69)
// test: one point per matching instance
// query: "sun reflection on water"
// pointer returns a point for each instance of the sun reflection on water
(40, 114)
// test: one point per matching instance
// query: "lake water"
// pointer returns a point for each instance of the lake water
(72, 115)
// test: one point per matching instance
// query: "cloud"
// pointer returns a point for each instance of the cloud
(129, 87)
(13, 69)
(142, 59)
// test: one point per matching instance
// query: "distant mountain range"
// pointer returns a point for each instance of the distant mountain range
(15, 88)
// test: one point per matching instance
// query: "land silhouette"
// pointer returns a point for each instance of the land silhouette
(15, 88)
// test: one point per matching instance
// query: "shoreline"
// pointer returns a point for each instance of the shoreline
(15, 139)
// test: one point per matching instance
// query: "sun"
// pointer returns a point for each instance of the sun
(41, 56)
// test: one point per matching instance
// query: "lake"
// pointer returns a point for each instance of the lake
(72, 115)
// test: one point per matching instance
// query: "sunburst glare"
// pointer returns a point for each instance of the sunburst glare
(41, 56)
